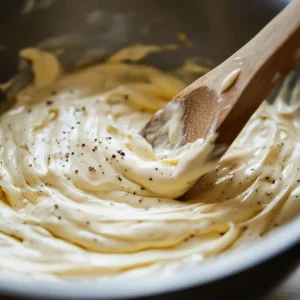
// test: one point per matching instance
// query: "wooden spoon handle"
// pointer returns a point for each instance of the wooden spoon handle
(260, 64)
(263, 61)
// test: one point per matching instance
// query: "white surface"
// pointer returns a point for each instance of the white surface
(232, 262)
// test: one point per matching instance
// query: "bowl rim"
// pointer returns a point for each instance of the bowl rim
(227, 264)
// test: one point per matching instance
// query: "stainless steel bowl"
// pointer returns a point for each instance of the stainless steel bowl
(216, 28)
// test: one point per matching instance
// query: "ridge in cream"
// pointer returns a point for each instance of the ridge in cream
(83, 194)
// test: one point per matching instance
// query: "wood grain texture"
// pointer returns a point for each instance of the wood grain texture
(266, 59)
(263, 61)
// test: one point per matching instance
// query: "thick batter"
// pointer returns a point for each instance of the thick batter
(82, 193)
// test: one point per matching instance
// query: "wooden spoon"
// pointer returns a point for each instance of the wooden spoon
(228, 95)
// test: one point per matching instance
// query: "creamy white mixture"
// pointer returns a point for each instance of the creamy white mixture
(82, 193)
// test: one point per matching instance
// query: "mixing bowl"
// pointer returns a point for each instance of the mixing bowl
(210, 30)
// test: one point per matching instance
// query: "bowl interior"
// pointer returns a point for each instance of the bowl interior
(215, 29)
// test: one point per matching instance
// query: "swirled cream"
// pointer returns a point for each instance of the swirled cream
(82, 193)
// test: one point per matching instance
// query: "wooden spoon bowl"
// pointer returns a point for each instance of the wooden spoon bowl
(225, 98)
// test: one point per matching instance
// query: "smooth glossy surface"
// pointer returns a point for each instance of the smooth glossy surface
(223, 28)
